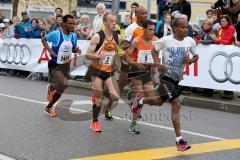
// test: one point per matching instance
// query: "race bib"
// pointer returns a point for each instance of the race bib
(63, 57)
(145, 56)
(108, 60)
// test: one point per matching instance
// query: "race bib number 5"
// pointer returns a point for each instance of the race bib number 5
(108, 59)
(145, 56)
(63, 57)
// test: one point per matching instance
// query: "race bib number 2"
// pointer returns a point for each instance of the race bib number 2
(109, 58)
(63, 57)
(145, 56)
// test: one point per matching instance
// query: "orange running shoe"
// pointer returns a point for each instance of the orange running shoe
(50, 112)
(95, 127)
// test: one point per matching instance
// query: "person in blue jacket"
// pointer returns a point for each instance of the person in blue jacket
(34, 31)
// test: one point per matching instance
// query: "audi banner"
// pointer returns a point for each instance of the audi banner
(218, 68)
(29, 55)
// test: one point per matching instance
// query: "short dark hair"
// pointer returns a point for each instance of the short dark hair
(176, 21)
(208, 11)
(34, 19)
(148, 22)
(59, 9)
(65, 18)
(135, 4)
(226, 17)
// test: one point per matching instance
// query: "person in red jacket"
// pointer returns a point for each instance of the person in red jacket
(225, 34)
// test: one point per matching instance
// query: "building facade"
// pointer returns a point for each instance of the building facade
(42, 8)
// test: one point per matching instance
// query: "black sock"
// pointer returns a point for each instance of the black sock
(56, 96)
(96, 111)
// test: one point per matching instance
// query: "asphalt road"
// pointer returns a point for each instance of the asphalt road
(27, 133)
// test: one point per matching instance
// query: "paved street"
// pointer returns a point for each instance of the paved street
(27, 133)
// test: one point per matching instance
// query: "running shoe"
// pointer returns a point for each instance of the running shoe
(108, 115)
(134, 129)
(50, 112)
(95, 127)
(135, 103)
(182, 145)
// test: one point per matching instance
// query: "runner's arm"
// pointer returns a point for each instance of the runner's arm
(130, 50)
(194, 53)
(45, 45)
(91, 54)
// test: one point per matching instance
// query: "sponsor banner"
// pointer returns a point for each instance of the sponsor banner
(217, 68)
(29, 55)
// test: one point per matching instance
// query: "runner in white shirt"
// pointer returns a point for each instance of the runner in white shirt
(175, 50)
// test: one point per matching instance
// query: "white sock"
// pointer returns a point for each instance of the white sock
(178, 138)
(140, 101)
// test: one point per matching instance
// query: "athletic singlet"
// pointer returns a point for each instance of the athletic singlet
(109, 49)
(133, 31)
(142, 54)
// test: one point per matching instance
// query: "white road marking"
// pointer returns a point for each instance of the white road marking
(2, 157)
(144, 123)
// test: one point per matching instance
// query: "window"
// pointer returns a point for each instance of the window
(5, 1)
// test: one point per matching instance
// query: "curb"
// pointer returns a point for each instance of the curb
(230, 106)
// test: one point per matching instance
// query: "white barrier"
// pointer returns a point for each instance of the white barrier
(218, 66)
(29, 55)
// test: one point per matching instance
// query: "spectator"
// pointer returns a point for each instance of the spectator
(233, 10)
(2, 16)
(225, 36)
(58, 11)
(163, 6)
(127, 21)
(34, 31)
(50, 22)
(74, 13)
(134, 5)
(58, 24)
(42, 25)
(209, 13)
(207, 30)
(84, 28)
(18, 28)
(2, 29)
(9, 29)
(165, 29)
(216, 26)
(25, 24)
(182, 6)
(218, 5)
(98, 19)
(237, 27)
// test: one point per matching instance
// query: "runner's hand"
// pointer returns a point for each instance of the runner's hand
(77, 50)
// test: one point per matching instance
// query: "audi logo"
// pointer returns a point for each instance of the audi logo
(227, 71)
(15, 54)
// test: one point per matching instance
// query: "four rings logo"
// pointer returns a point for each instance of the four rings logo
(227, 73)
(15, 54)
